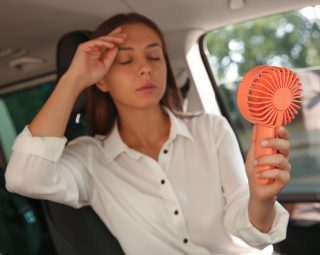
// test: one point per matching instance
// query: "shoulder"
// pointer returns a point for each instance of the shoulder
(206, 127)
(205, 121)
(84, 143)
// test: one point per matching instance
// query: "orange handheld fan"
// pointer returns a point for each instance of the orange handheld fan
(268, 96)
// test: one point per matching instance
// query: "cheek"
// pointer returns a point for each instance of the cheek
(116, 77)
(162, 73)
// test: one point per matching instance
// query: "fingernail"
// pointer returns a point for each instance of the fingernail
(281, 130)
(264, 143)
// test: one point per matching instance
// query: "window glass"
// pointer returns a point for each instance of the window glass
(23, 229)
(18, 109)
(289, 40)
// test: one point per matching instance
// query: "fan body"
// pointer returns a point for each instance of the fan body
(268, 96)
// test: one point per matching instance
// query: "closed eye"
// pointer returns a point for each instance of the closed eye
(125, 62)
(154, 58)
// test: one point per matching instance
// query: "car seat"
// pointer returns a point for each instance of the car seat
(77, 231)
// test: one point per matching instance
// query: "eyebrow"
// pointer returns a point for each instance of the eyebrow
(148, 46)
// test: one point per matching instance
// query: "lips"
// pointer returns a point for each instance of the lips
(147, 87)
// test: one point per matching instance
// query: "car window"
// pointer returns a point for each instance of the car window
(23, 229)
(17, 109)
(289, 40)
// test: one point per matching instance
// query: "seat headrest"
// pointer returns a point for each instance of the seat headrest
(67, 47)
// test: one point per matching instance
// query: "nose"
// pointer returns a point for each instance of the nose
(145, 69)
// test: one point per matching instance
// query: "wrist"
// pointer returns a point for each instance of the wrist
(262, 213)
(262, 202)
(72, 82)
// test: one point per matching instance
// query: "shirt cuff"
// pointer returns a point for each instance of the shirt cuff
(49, 148)
(260, 240)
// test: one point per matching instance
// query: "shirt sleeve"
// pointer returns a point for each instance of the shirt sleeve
(44, 168)
(236, 192)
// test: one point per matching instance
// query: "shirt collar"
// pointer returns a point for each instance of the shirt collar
(177, 126)
(113, 145)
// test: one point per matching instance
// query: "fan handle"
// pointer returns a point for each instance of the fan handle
(262, 133)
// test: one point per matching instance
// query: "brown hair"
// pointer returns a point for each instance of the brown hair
(100, 106)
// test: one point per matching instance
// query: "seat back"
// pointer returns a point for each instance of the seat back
(20, 227)
(77, 231)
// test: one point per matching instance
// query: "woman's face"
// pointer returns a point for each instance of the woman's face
(137, 78)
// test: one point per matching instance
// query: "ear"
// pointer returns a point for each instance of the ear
(102, 85)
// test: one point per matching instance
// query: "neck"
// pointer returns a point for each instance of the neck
(144, 128)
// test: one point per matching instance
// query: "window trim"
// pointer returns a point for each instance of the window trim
(28, 83)
(222, 105)
(2, 161)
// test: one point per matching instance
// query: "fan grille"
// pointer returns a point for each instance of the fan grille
(274, 96)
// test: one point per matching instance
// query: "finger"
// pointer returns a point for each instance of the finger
(120, 35)
(251, 154)
(116, 35)
(113, 39)
(109, 56)
(282, 132)
(276, 174)
(115, 31)
(253, 139)
(103, 45)
(96, 46)
(279, 144)
(277, 161)
(254, 133)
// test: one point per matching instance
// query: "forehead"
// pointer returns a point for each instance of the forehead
(140, 34)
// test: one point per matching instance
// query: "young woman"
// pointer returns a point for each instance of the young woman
(163, 182)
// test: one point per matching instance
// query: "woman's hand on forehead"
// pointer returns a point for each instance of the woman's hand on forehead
(93, 58)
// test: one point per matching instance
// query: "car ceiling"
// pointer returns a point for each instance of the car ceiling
(36, 25)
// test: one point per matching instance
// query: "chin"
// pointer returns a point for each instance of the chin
(146, 105)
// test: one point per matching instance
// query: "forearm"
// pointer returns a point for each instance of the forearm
(29, 175)
(262, 213)
(40, 178)
(53, 117)
(44, 168)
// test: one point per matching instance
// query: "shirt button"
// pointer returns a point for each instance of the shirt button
(185, 240)
(165, 151)
(163, 181)
(176, 212)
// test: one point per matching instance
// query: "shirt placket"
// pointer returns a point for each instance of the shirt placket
(173, 205)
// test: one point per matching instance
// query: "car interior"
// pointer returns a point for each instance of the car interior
(212, 44)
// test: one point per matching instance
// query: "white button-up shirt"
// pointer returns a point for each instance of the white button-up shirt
(192, 200)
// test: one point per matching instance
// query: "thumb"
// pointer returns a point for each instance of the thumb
(252, 142)
(251, 152)
(109, 56)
